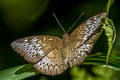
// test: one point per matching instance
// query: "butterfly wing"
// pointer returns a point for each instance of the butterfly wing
(43, 51)
(83, 38)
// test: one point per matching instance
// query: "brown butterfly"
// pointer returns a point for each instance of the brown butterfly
(51, 55)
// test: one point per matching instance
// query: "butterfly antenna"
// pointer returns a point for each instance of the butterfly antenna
(59, 23)
(75, 22)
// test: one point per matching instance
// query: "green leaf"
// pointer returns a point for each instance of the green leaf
(110, 32)
(100, 59)
(110, 2)
(17, 73)
(78, 74)
(98, 71)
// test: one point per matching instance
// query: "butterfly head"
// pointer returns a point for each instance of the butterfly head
(66, 36)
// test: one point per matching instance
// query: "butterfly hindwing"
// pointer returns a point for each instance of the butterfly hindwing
(83, 38)
(52, 64)
(43, 51)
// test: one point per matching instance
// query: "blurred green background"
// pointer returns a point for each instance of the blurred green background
(21, 18)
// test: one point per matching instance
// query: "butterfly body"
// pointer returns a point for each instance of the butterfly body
(51, 55)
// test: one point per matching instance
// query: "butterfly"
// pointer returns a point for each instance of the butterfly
(52, 55)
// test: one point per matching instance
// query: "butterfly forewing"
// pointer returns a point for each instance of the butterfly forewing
(83, 38)
(43, 51)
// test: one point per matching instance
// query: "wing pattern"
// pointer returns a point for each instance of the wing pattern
(52, 55)
(83, 38)
(43, 51)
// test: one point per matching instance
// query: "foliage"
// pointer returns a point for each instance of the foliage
(103, 65)
(110, 32)
(81, 74)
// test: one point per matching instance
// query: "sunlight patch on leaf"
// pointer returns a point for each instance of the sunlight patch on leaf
(111, 67)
